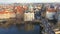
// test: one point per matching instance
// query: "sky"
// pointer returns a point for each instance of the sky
(29, 1)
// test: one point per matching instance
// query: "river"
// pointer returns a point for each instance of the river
(19, 30)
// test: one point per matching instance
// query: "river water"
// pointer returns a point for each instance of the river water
(19, 30)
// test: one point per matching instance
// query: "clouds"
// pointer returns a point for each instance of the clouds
(28, 1)
(7, 1)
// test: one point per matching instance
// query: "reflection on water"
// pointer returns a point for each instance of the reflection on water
(19, 29)
(29, 27)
